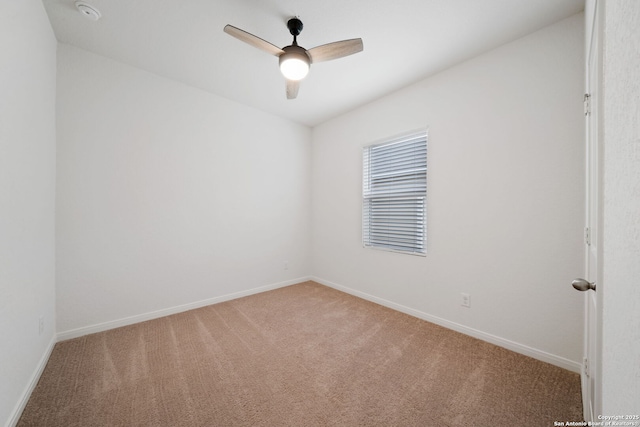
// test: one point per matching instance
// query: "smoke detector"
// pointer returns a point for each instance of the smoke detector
(88, 11)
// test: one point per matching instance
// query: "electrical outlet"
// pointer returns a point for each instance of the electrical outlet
(40, 325)
(286, 265)
(466, 300)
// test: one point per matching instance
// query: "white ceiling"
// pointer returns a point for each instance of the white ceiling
(404, 41)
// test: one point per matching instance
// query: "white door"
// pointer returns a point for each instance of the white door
(591, 383)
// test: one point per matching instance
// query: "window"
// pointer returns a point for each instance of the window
(394, 194)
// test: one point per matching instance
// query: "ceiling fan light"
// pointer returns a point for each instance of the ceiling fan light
(294, 68)
(294, 63)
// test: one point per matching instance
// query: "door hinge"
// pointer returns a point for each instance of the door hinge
(587, 236)
(587, 104)
(585, 366)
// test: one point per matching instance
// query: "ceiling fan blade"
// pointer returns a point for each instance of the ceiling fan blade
(335, 50)
(254, 41)
(292, 88)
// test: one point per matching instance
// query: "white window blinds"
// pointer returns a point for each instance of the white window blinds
(394, 194)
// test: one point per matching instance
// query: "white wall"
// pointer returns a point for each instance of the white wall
(621, 209)
(505, 196)
(168, 195)
(27, 197)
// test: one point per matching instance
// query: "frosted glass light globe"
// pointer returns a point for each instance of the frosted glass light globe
(294, 63)
(294, 68)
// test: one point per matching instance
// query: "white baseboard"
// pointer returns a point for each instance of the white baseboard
(33, 381)
(92, 329)
(493, 339)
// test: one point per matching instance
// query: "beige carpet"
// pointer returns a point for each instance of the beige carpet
(304, 355)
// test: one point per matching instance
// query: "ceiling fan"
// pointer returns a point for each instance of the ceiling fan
(296, 60)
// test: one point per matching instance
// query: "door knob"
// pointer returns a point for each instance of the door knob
(583, 285)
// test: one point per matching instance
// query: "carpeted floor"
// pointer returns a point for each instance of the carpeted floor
(304, 355)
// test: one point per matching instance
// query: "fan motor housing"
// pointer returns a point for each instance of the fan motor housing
(294, 51)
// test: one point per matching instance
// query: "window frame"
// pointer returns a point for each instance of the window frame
(417, 189)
